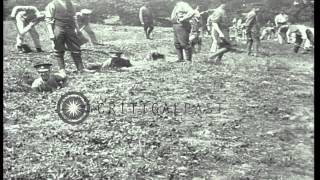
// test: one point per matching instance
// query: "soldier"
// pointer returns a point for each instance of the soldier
(300, 35)
(146, 19)
(180, 17)
(204, 18)
(116, 61)
(63, 31)
(280, 21)
(194, 37)
(83, 20)
(27, 17)
(233, 30)
(220, 44)
(214, 24)
(252, 25)
(267, 33)
(48, 81)
(241, 35)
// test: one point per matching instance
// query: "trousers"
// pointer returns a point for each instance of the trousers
(34, 36)
(91, 34)
(253, 37)
(181, 40)
(66, 37)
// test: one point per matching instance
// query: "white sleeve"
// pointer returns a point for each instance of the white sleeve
(303, 33)
(49, 13)
(36, 85)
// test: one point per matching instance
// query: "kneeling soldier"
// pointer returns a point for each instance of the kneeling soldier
(27, 17)
(48, 81)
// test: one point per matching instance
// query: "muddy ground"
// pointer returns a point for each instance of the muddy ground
(249, 118)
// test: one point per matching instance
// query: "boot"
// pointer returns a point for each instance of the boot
(188, 54)
(60, 59)
(180, 54)
(218, 59)
(19, 48)
(26, 48)
(249, 47)
(199, 45)
(39, 50)
(149, 32)
(146, 34)
(78, 62)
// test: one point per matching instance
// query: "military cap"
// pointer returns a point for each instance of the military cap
(86, 11)
(116, 53)
(43, 67)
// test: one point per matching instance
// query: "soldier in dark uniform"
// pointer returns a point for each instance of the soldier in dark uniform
(116, 61)
(252, 25)
(48, 81)
(204, 18)
(180, 17)
(195, 38)
(63, 31)
(146, 19)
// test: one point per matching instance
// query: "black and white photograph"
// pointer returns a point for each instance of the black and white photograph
(158, 89)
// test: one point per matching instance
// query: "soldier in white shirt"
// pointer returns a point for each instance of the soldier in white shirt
(27, 17)
(280, 20)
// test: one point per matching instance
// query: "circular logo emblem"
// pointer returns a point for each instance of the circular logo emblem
(73, 108)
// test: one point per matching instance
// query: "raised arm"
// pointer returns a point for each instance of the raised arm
(288, 34)
(190, 13)
(77, 19)
(17, 8)
(276, 21)
(49, 17)
(36, 85)
(209, 23)
(20, 24)
(141, 15)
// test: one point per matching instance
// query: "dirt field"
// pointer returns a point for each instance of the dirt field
(259, 124)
